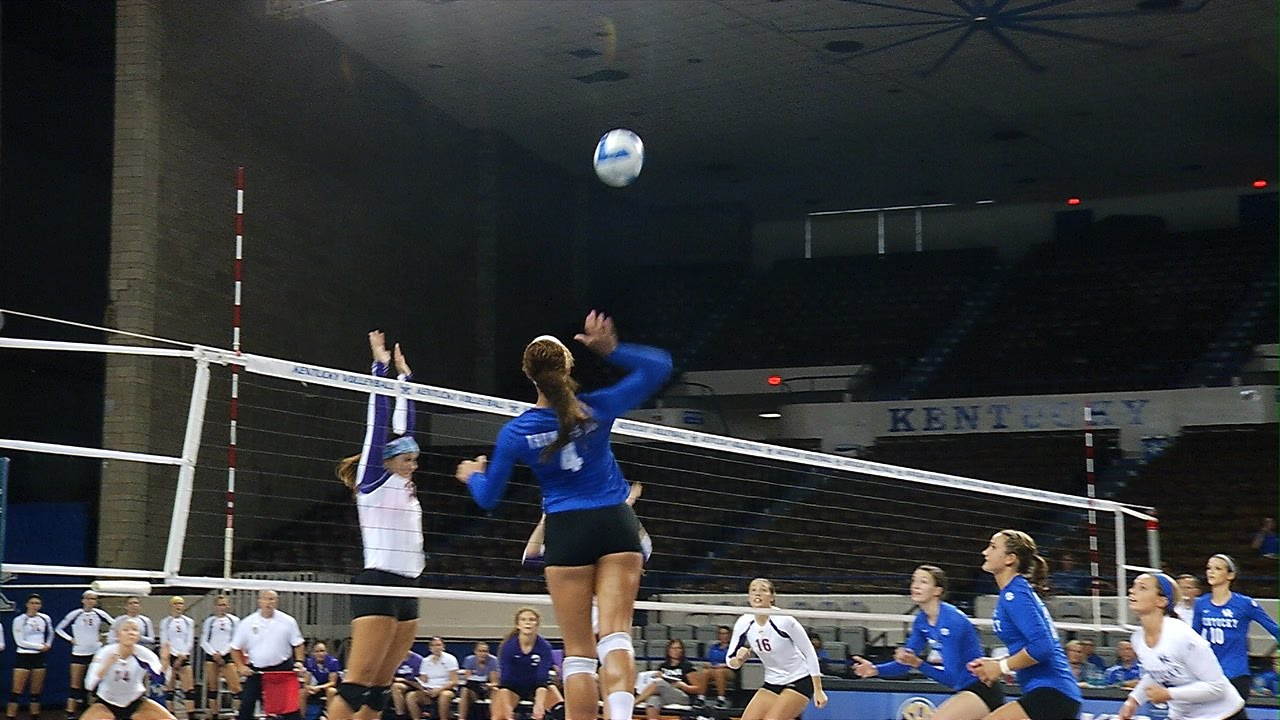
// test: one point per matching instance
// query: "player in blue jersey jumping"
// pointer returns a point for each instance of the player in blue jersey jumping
(1222, 617)
(593, 537)
(942, 627)
(1023, 624)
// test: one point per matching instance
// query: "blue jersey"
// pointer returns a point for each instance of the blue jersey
(954, 637)
(1118, 673)
(1226, 627)
(408, 668)
(1022, 622)
(583, 474)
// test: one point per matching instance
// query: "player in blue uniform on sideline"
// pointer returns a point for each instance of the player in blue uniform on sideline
(1021, 621)
(942, 627)
(1223, 617)
(593, 537)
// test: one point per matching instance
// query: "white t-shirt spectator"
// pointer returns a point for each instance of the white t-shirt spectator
(268, 641)
(435, 673)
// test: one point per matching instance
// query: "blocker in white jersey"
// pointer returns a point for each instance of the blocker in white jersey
(791, 672)
(1178, 666)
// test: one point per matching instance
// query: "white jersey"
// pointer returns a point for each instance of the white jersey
(782, 645)
(86, 629)
(1183, 662)
(215, 636)
(127, 679)
(391, 526)
(32, 632)
(145, 628)
(178, 633)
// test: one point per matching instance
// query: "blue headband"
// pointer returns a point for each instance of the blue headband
(1166, 587)
(400, 446)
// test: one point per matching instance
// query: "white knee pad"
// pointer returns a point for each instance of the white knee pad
(613, 643)
(574, 665)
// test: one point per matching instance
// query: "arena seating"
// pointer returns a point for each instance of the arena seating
(878, 309)
(1106, 313)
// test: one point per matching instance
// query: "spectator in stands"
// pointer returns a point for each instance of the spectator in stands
(1126, 672)
(719, 673)
(1075, 661)
(824, 657)
(479, 677)
(438, 675)
(676, 683)
(1223, 617)
(322, 677)
(941, 627)
(1265, 541)
(524, 670)
(1189, 589)
(1089, 649)
(1070, 579)
(406, 684)
(1267, 683)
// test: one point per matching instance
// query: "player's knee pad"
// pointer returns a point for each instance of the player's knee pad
(555, 712)
(352, 694)
(235, 696)
(78, 694)
(376, 698)
(613, 642)
(14, 697)
(575, 665)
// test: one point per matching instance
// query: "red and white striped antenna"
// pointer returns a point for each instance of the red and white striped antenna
(229, 532)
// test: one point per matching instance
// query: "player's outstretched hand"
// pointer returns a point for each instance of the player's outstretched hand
(598, 334)
(402, 365)
(378, 346)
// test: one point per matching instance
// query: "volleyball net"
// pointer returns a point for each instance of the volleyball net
(839, 536)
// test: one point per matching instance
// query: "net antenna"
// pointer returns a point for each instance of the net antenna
(362, 384)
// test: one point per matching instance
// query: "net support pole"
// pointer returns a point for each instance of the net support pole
(187, 471)
(1122, 579)
(808, 237)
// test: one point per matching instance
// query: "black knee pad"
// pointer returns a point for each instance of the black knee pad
(376, 698)
(353, 695)
(14, 697)
(235, 696)
(78, 694)
(556, 712)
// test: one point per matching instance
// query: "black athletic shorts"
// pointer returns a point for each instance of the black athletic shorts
(992, 695)
(1048, 704)
(524, 692)
(81, 659)
(123, 713)
(400, 608)
(28, 661)
(804, 686)
(480, 688)
(580, 537)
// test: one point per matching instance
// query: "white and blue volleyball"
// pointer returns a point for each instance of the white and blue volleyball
(619, 157)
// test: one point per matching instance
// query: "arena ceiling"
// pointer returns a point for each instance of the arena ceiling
(792, 106)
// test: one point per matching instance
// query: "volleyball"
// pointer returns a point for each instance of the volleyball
(618, 158)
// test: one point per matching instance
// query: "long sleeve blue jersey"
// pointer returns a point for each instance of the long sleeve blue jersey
(1022, 622)
(583, 474)
(1226, 627)
(954, 637)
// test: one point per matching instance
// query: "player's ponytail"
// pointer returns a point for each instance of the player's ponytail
(547, 363)
(1030, 564)
(346, 471)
